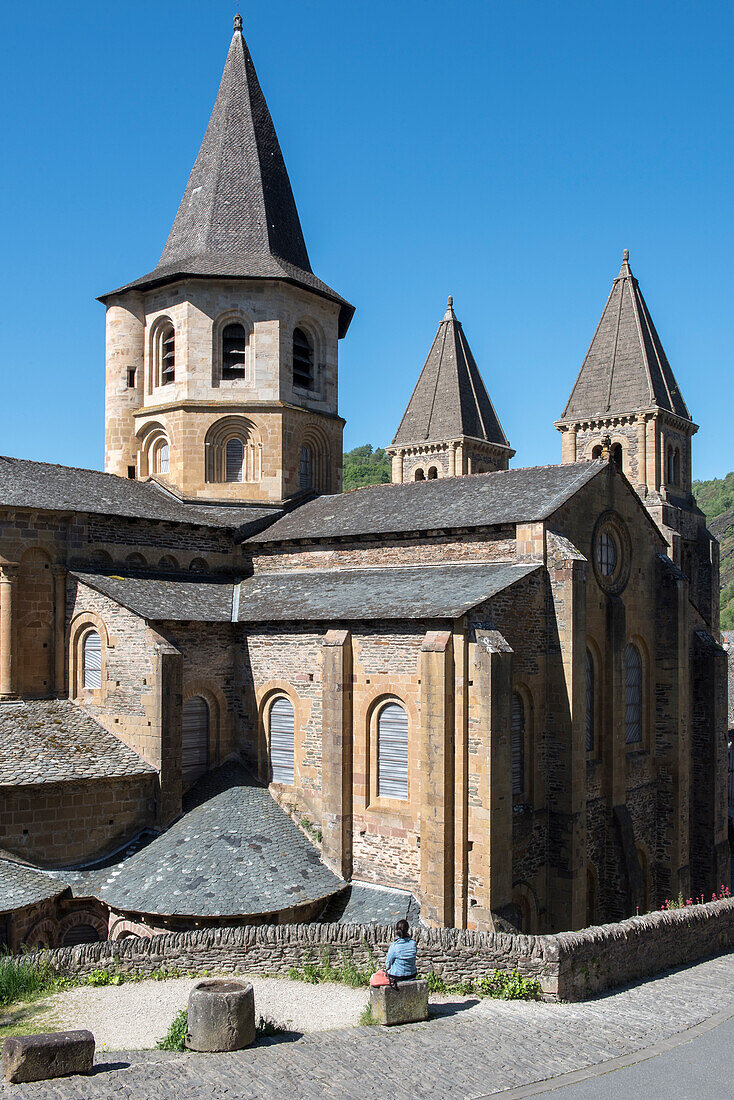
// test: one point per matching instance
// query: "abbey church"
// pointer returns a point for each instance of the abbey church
(229, 692)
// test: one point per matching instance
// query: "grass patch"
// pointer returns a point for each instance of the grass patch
(345, 970)
(367, 1018)
(506, 985)
(21, 980)
(175, 1037)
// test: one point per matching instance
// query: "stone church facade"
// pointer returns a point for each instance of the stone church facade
(499, 689)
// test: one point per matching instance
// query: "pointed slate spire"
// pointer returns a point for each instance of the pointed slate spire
(626, 368)
(450, 399)
(238, 217)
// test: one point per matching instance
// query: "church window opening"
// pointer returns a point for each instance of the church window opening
(92, 661)
(282, 741)
(616, 453)
(633, 695)
(131, 378)
(419, 475)
(167, 349)
(234, 460)
(590, 708)
(302, 360)
(392, 752)
(80, 933)
(305, 469)
(607, 553)
(517, 726)
(596, 451)
(195, 739)
(234, 352)
(432, 473)
(161, 457)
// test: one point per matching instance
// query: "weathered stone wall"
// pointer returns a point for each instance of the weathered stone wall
(569, 966)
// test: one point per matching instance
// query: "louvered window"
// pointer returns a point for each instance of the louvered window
(195, 739)
(282, 741)
(234, 351)
(302, 360)
(392, 752)
(168, 355)
(518, 745)
(304, 469)
(92, 661)
(80, 933)
(590, 714)
(164, 459)
(234, 460)
(633, 695)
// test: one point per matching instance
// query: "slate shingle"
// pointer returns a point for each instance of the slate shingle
(21, 886)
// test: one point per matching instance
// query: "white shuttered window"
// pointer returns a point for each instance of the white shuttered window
(633, 695)
(195, 742)
(392, 752)
(234, 459)
(92, 661)
(282, 741)
(518, 745)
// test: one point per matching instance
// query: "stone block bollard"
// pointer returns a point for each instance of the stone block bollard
(408, 1004)
(221, 1016)
(41, 1057)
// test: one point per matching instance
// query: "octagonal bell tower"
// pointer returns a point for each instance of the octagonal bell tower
(222, 363)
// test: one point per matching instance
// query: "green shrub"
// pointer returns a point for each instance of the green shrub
(175, 1039)
(366, 1018)
(508, 985)
(436, 984)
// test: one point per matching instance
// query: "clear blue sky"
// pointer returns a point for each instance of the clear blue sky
(502, 152)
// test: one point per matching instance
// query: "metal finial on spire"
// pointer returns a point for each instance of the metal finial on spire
(238, 17)
(626, 256)
(451, 301)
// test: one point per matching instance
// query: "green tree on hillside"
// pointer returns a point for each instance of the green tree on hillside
(366, 466)
(716, 496)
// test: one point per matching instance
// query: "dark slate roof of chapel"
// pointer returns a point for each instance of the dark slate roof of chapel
(626, 368)
(477, 500)
(238, 217)
(175, 599)
(46, 486)
(450, 399)
(21, 886)
(55, 741)
(394, 592)
(236, 853)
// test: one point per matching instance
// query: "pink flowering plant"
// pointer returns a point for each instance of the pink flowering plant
(682, 903)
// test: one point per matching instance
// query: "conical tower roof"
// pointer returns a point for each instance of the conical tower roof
(450, 399)
(238, 217)
(626, 368)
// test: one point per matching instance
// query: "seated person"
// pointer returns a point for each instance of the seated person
(401, 956)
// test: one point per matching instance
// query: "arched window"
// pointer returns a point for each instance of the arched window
(160, 456)
(137, 561)
(419, 475)
(303, 374)
(167, 562)
(590, 707)
(80, 933)
(282, 741)
(616, 453)
(676, 466)
(432, 473)
(305, 470)
(234, 352)
(92, 661)
(518, 744)
(195, 739)
(167, 354)
(606, 553)
(633, 695)
(596, 451)
(234, 459)
(392, 752)
(199, 565)
(671, 466)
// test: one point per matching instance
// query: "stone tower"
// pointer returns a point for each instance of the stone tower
(222, 362)
(450, 426)
(626, 405)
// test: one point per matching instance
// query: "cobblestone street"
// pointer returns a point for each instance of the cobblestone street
(473, 1053)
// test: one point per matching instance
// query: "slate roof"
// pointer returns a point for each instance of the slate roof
(479, 500)
(395, 592)
(450, 399)
(178, 600)
(360, 904)
(55, 741)
(21, 886)
(26, 484)
(236, 854)
(626, 368)
(238, 217)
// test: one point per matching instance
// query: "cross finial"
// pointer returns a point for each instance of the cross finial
(238, 17)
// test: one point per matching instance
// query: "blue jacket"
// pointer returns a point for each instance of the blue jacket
(401, 958)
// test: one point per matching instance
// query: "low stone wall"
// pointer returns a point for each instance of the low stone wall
(569, 966)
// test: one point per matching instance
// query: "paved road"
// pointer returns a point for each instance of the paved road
(472, 1053)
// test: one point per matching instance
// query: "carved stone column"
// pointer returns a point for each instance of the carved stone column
(8, 595)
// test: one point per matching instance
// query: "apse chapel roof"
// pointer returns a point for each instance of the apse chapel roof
(43, 485)
(479, 500)
(54, 741)
(21, 886)
(238, 216)
(450, 399)
(626, 368)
